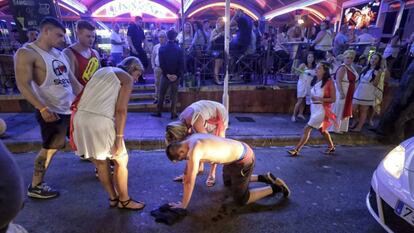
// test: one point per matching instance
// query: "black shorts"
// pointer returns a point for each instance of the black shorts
(53, 133)
(237, 176)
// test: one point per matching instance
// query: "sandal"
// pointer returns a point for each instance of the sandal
(211, 181)
(179, 178)
(293, 152)
(113, 202)
(124, 205)
(330, 151)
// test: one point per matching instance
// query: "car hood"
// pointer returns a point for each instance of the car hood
(409, 154)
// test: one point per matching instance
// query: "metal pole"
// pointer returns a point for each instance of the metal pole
(182, 31)
(226, 55)
(399, 17)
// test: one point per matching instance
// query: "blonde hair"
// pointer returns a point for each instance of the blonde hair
(176, 131)
(131, 64)
(350, 52)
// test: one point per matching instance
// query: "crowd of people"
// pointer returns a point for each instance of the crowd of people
(73, 96)
(74, 93)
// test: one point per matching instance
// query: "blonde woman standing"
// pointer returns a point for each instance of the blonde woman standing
(345, 81)
(98, 124)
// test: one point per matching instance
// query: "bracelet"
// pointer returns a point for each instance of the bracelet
(43, 109)
(119, 135)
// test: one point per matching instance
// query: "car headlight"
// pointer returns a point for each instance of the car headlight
(394, 161)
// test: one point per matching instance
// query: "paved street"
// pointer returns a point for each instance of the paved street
(328, 195)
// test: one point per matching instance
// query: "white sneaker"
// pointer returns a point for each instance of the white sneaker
(293, 119)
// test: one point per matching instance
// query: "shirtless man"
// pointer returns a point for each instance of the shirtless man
(203, 116)
(238, 160)
(83, 59)
(43, 78)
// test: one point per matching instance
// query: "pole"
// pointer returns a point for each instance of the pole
(399, 17)
(182, 31)
(226, 55)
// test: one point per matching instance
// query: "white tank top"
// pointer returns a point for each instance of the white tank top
(56, 90)
(101, 93)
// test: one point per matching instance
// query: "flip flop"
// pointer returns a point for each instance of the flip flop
(179, 178)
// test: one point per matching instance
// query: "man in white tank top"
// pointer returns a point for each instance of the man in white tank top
(43, 77)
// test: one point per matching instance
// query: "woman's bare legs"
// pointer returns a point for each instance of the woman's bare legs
(328, 138)
(121, 182)
(363, 112)
(298, 105)
(104, 175)
(304, 139)
(355, 114)
(218, 63)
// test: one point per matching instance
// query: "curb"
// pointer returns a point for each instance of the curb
(255, 141)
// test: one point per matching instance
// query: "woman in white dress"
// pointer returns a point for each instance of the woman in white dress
(345, 80)
(306, 74)
(322, 96)
(98, 123)
(203, 116)
(364, 96)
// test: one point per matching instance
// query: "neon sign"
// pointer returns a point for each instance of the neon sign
(134, 7)
(219, 4)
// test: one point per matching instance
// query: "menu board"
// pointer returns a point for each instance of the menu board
(29, 13)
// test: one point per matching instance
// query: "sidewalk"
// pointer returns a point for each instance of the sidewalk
(144, 132)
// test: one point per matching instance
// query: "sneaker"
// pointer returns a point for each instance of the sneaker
(278, 182)
(42, 191)
(270, 178)
(293, 119)
(285, 189)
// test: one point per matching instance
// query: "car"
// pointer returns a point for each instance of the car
(391, 197)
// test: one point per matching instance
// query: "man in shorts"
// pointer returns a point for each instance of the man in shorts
(238, 160)
(43, 78)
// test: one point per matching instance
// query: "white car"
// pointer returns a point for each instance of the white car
(391, 198)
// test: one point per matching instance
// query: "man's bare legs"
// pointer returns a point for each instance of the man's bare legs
(275, 185)
(41, 164)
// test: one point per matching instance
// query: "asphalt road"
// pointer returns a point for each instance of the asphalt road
(328, 195)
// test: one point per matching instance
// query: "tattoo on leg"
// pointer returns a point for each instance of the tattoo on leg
(40, 167)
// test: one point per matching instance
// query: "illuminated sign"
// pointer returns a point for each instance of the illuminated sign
(290, 8)
(134, 7)
(222, 4)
